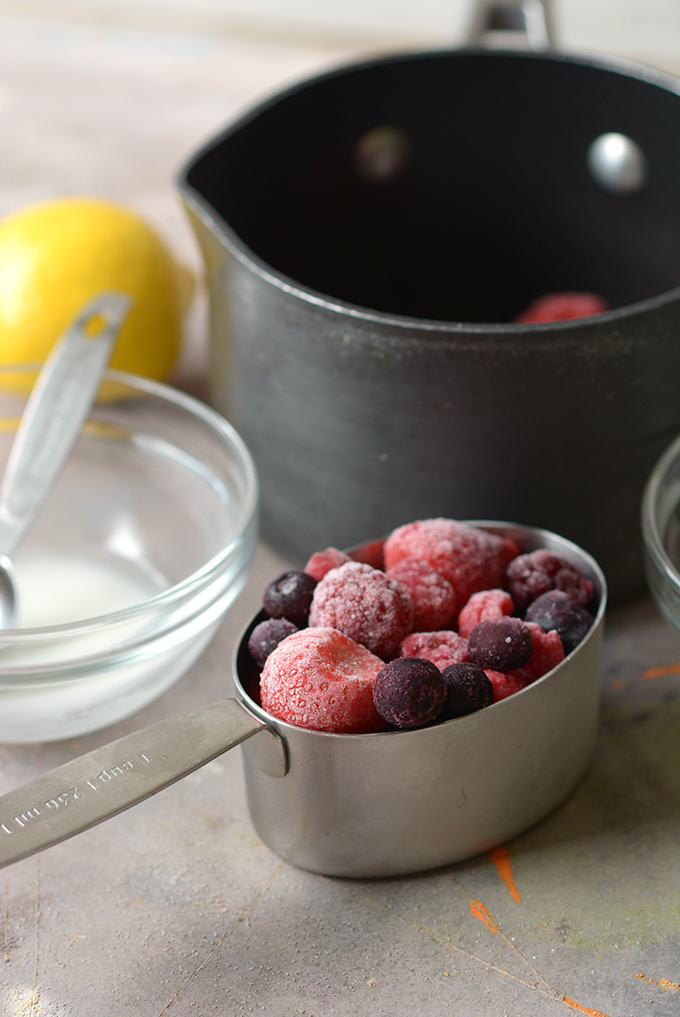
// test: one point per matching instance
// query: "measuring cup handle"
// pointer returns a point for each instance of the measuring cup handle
(99, 784)
(55, 412)
(532, 18)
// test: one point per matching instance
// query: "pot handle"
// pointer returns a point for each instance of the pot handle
(99, 784)
(531, 18)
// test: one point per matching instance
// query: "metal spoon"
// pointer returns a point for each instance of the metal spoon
(55, 412)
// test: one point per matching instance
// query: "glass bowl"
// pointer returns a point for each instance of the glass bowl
(661, 533)
(144, 543)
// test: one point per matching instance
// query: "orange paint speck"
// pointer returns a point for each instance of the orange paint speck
(583, 1009)
(500, 856)
(658, 672)
(663, 983)
(480, 911)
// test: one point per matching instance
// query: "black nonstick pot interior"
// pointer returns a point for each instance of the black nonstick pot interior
(493, 204)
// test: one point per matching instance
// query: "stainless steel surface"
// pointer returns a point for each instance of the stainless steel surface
(100, 784)
(617, 163)
(399, 802)
(531, 18)
(55, 412)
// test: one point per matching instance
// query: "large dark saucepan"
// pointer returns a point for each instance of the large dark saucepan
(369, 237)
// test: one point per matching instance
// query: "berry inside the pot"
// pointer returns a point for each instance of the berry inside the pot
(561, 306)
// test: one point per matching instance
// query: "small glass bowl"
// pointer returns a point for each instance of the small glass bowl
(661, 533)
(142, 546)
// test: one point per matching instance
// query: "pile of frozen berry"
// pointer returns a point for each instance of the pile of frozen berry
(456, 620)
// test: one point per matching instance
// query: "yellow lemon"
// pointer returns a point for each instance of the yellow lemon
(57, 255)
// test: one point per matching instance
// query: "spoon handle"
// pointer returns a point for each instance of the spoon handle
(99, 784)
(56, 409)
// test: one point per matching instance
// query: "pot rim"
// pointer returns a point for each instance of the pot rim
(225, 234)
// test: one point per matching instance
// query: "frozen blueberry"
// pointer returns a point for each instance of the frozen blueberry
(556, 610)
(266, 636)
(467, 689)
(289, 597)
(501, 644)
(409, 692)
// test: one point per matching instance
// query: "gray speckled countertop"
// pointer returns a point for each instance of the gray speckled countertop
(175, 906)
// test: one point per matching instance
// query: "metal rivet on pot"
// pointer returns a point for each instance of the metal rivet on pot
(617, 163)
(381, 153)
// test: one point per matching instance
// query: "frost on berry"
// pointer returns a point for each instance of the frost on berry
(469, 558)
(442, 648)
(318, 678)
(433, 596)
(322, 562)
(483, 606)
(366, 605)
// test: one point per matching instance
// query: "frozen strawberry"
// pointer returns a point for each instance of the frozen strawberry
(504, 685)
(483, 606)
(530, 575)
(409, 692)
(469, 558)
(366, 605)
(560, 306)
(318, 678)
(548, 652)
(442, 648)
(322, 562)
(434, 599)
